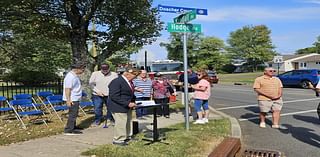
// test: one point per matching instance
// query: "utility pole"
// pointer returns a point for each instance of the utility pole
(145, 60)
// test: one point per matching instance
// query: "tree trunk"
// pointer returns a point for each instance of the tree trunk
(80, 54)
(79, 45)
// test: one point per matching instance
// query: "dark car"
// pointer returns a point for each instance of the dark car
(300, 77)
(213, 77)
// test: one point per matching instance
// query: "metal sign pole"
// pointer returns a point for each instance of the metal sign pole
(185, 61)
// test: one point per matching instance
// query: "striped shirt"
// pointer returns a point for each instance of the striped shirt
(270, 86)
(146, 85)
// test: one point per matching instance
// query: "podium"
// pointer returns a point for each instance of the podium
(153, 105)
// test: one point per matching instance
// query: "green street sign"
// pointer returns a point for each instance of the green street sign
(186, 17)
(175, 27)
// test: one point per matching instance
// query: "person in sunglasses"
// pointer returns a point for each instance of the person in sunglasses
(269, 90)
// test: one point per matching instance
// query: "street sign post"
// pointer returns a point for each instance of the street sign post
(278, 60)
(173, 9)
(180, 25)
(186, 17)
(175, 27)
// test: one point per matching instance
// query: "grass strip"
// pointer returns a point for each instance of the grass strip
(200, 140)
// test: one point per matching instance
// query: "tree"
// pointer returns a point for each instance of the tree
(313, 49)
(175, 46)
(34, 59)
(201, 50)
(123, 23)
(251, 43)
(210, 53)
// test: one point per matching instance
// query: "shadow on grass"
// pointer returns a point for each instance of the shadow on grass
(86, 123)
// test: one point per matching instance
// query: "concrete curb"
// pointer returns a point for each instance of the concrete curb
(235, 126)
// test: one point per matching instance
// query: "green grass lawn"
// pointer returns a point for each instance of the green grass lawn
(245, 78)
(200, 140)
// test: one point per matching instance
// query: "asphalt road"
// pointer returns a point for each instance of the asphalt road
(301, 139)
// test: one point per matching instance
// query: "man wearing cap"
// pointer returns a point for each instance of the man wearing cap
(72, 93)
(121, 102)
(99, 82)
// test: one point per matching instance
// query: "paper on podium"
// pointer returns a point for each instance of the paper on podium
(146, 103)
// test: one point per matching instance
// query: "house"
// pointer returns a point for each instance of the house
(293, 62)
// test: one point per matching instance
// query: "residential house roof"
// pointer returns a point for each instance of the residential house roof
(315, 58)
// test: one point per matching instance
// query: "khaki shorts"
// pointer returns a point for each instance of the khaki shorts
(267, 105)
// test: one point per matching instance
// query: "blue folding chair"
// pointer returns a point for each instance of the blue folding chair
(41, 96)
(56, 103)
(29, 96)
(26, 108)
(85, 104)
(4, 102)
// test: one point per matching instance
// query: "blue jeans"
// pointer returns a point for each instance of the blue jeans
(141, 111)
(198, 103)
(98, 102)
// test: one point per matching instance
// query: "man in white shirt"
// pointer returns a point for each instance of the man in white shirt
(99, 82)
(72, 93)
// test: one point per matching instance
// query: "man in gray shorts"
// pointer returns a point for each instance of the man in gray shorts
(269, 90)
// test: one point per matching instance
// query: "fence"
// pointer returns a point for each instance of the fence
(9, 89)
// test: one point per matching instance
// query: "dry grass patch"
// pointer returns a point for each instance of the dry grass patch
(11, 130)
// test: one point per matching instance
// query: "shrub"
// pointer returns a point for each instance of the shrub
(28, 77)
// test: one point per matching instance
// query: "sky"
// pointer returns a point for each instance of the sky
(294, 24)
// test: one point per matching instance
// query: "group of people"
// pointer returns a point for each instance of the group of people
(119, 92)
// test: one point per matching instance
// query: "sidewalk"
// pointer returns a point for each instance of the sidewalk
(72, 146)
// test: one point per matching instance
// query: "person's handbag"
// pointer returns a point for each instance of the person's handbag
(172, 98)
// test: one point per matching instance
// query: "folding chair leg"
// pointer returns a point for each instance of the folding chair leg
(23, 125)
(58, 116)
(47, 109)
(82, 110)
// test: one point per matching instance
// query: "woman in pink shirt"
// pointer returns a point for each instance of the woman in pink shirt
(201, 96)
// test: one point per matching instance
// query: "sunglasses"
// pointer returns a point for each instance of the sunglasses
(271, 71)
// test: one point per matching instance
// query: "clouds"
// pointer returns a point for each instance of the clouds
(261, 14)
(311, 1)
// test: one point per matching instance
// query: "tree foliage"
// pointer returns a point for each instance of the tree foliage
(34, 59)
(210, 53)
(251, 43)
(201, 50)
(121, 23)
(313, 49)
(175, 46)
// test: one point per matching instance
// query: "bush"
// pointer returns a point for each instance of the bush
(28, 77)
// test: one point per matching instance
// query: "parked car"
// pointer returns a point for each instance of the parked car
(213, 76)
(300, 77)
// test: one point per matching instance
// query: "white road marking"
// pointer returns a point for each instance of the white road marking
(285, 102)
(284, 114)
(244, 90)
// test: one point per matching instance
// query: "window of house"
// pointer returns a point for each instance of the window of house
(303, 64)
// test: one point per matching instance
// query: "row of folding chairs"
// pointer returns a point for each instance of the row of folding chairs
(24, 105)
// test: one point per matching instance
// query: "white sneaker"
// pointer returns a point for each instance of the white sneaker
(206, 120)
(199, 121)
(262, 125)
